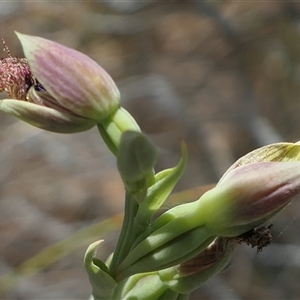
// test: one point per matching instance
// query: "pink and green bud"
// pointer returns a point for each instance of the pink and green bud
(257, 186)
(249, 194)
(56, 84)
(75, 82)
(180, 279)
(191, 274)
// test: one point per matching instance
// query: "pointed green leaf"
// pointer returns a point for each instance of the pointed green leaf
(165, 182)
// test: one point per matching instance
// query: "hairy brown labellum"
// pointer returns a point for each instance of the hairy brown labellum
(16, 77)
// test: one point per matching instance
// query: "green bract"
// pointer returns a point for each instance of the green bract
(136, 158)
(102, 283)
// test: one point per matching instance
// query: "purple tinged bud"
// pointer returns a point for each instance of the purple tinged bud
(249, 195)
(261, 183)
(207, 258)
(207, 264)
(56, 88)
(75, 82)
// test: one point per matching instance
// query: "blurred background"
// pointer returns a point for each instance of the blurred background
(223, 75)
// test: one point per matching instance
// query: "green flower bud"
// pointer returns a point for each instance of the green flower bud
(191, 274)
(246, 197)
(196, 271)
(180, 279)
(136, 158)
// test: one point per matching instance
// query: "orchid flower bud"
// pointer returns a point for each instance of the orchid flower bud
(249, 194)
(136, 159)
(194, 272)
(191, 274)
(57, 85)
(182, 279)
(257, 186)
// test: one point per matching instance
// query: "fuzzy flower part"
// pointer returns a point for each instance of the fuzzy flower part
(15, 76)
(63, 90)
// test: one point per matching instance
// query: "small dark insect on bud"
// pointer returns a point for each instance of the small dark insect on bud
(257, 237)
(16, 77)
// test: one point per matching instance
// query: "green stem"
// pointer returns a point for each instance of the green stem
(127, 234)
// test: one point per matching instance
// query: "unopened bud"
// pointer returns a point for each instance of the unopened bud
(136, 159)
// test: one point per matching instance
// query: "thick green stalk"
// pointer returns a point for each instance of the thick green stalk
(127, 234)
